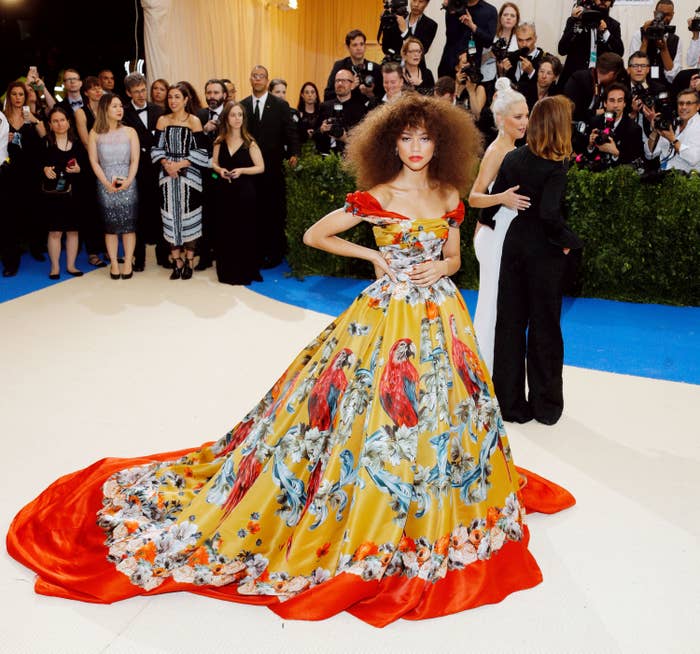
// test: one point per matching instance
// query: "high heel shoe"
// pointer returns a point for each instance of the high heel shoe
(177, 270)
(54, 275)
(187, 269)
(128, 275)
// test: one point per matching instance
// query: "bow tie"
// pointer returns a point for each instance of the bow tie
(76, 103)
(140, 111)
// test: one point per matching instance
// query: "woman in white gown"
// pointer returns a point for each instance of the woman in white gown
(511, 115)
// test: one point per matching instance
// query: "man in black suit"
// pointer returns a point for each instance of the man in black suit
(355, 42)
(524, 73)
(215, 94)
(643, 90)
(143, 116)
(270, 124)
(621, 137)
(585, 87)
(74, 99)
(418, 25)
(585, 39)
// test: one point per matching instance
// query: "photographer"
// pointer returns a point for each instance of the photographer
(589, 32)
(336, 117)
(658, 39)
(521, 66)
(615, 137)
(418, 25)
(469, 92)
(678, 146)
(367, 75)
(643, 90)
(468, 23)
(503, 43)
(585, 87)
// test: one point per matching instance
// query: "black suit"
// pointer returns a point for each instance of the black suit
(149, 226)
(526, 85)
(424, 30)
(273, 132)
(628, 138)
(579, 88)
(575, 43)
(354, 109)
(530, 288)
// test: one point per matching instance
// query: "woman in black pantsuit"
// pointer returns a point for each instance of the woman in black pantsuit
(533, 267)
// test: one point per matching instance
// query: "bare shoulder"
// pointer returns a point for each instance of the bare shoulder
(194, 123)
(382, 193)
(162, 121)
(449, 196)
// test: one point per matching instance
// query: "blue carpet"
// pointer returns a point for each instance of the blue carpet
(647, 340)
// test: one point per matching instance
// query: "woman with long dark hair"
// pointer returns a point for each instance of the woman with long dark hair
(236, 157)
(308, 108)
(528, 341)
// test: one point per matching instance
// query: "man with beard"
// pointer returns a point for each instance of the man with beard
(584, 40)
(367, 74)
(665, 54)
(215, 94)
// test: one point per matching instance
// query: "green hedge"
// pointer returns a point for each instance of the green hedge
(642, 241)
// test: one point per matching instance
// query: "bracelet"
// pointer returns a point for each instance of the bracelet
(673, 143)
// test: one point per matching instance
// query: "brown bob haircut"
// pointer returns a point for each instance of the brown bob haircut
(549, 128)
(371, 151)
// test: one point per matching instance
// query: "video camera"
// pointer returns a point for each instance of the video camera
(472, 71)
(456, 7)
(389, 34)
(658, 28)
(605, 134)
(695, 21)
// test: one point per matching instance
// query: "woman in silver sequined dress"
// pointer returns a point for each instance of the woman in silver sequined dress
(114, 155)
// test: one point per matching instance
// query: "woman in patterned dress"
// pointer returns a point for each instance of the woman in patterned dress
(182, 153)
(375, 476)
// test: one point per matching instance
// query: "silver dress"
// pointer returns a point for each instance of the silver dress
(118, 209)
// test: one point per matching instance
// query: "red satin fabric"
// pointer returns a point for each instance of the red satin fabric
(56, 535)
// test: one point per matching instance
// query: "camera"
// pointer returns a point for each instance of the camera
(695, 21)
(472, 69)
(591, 15)
(666, 115)
(500, 49)
(639, 92)
(364, 72)
(604, 135)
(389, 34)
(514, 57)
(336, 121)
(658, 29)
(396, 7)
(456, 7)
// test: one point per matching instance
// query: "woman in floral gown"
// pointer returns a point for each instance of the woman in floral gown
(374, 477)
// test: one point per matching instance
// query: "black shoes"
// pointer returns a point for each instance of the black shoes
(177, 270)
(202, 265)
(9, 272)
(128, 276)
(54, 275)
(75, 273)
(139, 267)
(37, 256)
(187, 270)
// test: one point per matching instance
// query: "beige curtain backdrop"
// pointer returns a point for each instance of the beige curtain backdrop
(197, 39)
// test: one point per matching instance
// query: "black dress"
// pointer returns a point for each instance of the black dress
(63, 211)
(235, 216)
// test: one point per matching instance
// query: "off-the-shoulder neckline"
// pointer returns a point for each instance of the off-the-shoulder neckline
(394, 214)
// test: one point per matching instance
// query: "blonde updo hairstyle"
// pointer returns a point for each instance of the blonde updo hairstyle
(504, 98)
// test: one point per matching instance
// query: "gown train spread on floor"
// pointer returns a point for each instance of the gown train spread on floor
(374, 477)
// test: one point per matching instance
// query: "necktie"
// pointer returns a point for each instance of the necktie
(256, 111)
(212, 114)
(140, 111)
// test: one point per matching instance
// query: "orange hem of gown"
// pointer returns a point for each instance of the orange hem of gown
(57, 536)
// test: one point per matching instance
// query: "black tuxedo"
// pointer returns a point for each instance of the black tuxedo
(628, 138)
(274, 132)
(575, 43)
(424, 30)
(149, 225)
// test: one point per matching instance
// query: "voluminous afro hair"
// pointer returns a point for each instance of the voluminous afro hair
(371, 151)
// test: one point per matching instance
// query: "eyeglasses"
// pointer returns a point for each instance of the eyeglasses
(639, 66)
(344, 80)
(71, 79)
(689, 103)
(259, 76)
(414, 51)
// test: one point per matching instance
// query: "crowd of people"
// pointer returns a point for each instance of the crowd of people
(156, 165)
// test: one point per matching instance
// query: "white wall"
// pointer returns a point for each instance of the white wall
(550, 16)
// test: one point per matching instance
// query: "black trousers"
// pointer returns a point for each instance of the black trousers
(528, 331)
(271, 219)
(149, 227)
